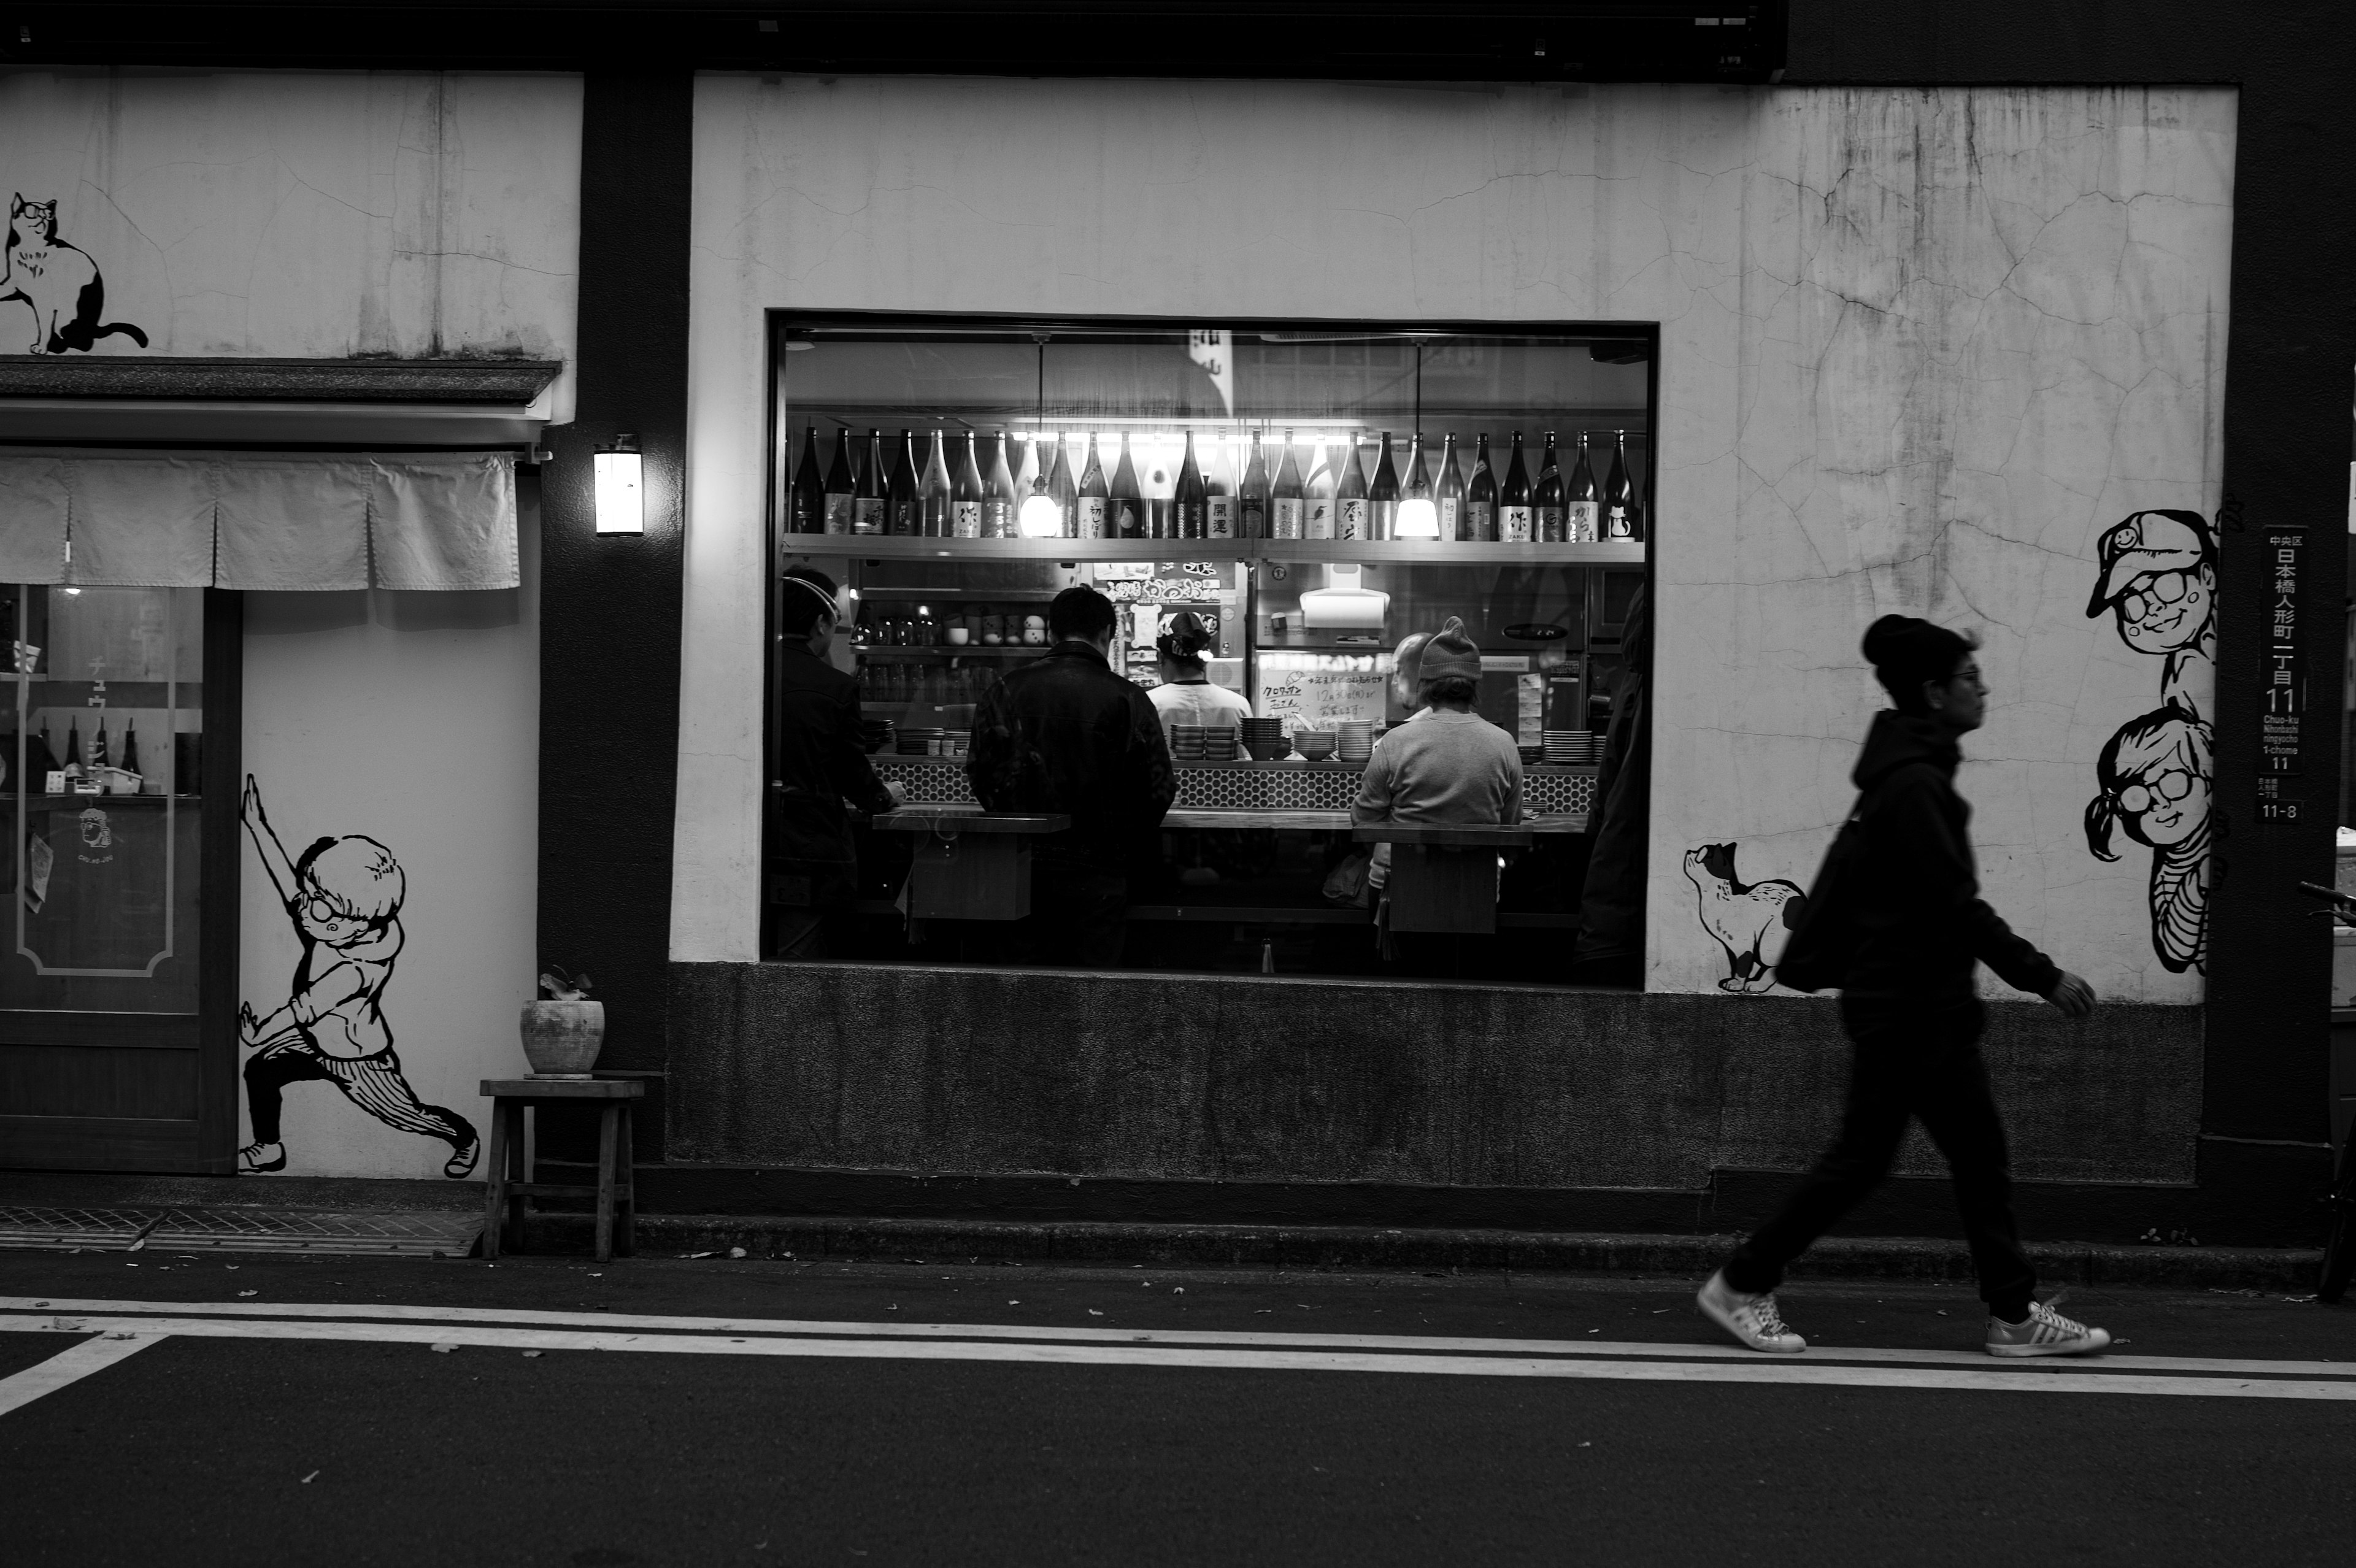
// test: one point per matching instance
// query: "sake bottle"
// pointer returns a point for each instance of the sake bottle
(998, 503)
(1252, 497)
(130, 746)
(840, 486)
(1190, 498)
(1092, 505)
(966, 498)
(934, 495)
(1124, 511)
(1062, 491)
(1582, 503)
(1448, 491)
(1220, 499)
(806, 510)
(1513, 499)
(1317, 516)
(1416, 487)
(1546, 499)
(903, 512)
(867, 489)
(1383, 496)
(1160, 483)
(1619, 519)
(1287, 505)
(73, 749)
(1481, 496)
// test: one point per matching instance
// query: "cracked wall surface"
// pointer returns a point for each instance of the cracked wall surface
(312, 216)
(1920, 348)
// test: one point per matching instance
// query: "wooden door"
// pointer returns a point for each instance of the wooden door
(118, 949)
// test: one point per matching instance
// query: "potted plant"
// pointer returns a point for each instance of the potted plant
(562, 1035)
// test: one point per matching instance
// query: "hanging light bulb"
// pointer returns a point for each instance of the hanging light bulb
(1040, 518)
(1418, 519)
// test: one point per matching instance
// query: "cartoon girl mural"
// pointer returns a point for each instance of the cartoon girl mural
(344, 897)
(2155, 780)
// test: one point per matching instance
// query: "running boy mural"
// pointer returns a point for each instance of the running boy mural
(2158, 578)
(344, 897)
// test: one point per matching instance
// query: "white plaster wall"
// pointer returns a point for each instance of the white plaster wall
(311, 214)
(1917, 348)
(412, 719)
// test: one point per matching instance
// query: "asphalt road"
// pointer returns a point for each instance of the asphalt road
(277, 1450)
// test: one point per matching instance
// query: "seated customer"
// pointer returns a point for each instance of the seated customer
(1447, 764)
(1066, 734)
(1186, 695)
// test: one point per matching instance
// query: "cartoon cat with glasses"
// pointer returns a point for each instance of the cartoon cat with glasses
(2155, 775)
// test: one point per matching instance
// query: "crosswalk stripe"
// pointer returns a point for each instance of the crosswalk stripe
(71, 1365)
(609, 1321)
(1788, 1371)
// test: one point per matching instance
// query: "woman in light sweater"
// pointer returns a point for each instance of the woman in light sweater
(1450, 765)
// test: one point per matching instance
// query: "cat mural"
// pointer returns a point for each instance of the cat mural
(58, 282)
(1742, 916)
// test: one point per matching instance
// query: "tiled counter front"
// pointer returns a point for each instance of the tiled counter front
(1251, 786)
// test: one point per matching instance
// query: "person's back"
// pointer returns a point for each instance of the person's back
(1448, 765)
(1199, 702)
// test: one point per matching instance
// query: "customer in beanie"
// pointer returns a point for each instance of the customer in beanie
(1916, 930)
(1449, 764)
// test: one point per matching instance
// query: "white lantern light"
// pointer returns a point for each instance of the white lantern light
(621, 488)
(1419, 519)
(1040, 518)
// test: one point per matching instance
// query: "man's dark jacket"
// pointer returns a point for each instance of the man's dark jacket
(821, 764)
(1919, 909)
(1066, 734)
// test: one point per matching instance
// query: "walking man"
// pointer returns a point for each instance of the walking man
(1918, 924)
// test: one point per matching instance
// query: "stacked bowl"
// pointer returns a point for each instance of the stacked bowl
(1314, 745)
(1572, 748)
(1354, 740)
(1264, 739)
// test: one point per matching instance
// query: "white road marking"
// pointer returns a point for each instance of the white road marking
(1756, 1370)
(71, 1365)
(607, 1321)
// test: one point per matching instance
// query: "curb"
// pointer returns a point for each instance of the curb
(1336, 1246)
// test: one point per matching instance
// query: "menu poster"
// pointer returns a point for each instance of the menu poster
(1320, 691)
(2282, 705)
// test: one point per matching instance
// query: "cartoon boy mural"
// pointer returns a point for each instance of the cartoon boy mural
(344, 897)
(2160, 578)
(2155, 775)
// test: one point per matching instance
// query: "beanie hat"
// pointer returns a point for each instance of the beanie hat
(1451, 652)
(1906, 652)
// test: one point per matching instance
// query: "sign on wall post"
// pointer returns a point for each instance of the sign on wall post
(2282, 705)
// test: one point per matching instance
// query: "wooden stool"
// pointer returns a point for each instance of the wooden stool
(510, 1182)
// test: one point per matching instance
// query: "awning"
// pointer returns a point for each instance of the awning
(270, 521)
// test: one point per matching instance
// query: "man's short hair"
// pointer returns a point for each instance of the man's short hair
(1450, 689)
(799, 607)
(1080, 612)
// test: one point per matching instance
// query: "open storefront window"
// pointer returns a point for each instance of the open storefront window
(1287, 507)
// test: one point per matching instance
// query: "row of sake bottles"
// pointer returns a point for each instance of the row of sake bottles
(1025, 489)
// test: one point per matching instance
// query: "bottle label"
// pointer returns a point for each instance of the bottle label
(908, 517)
(867, 514)
(1317, 517)
(965, 518)
(1615, 519)
(1480, 521)
(1349, 520)
(1092, 517)
(808, 518)
(1581, 523)
(1254, 516)
(1127, 517)
(1551, 525)
(1451, 514)
(1382, 519)
(997, 519)
(1288, 514)
(1514, 525)
(1219, 517)
(837, 513)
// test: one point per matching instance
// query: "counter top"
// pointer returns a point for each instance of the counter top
(1451, 836)
(966, 819)
(917, 818)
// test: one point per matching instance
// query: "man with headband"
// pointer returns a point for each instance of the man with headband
(818, 764)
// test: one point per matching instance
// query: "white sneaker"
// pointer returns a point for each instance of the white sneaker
(1749, 1318)
(2046, 1333)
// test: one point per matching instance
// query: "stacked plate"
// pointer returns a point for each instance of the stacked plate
(1573, 748)
(1264, 739)
(1354, 740)
(875, 735)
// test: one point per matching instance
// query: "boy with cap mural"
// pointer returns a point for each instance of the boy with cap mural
(1445, 764)
(2160, 578)
(1907, 931)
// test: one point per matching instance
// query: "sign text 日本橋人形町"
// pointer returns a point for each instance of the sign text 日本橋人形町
(2281, 711)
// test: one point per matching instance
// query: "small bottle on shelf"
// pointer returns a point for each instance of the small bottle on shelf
(1219, 499)
(1189, 499)
(841, 487)
(1252, 497)
(934, 495)
(130, 747)
(903, 512)
(1481, 496)
(1092, 505)
(1513, 500)
(999, 502)
(1448, 490)
(1582, 503)
(1160, 483)
(1062, 491)
(1125, 514)
(1546, 498)
(1621, 518)
(1383, 496)
(807, 511)
(1350, 497)
(1317, 515)
(1287, 504)
(966, 498)
(867, 488)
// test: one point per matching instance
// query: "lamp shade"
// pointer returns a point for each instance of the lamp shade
(621, 493)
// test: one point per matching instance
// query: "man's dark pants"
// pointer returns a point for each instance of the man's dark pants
(1079, 914)
(1918, 1058)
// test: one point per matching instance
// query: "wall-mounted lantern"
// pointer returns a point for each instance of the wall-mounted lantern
(621, 488)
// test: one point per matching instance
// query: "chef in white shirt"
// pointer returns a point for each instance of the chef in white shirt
(1186, 695)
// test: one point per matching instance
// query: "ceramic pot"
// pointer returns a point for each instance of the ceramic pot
(560, 1039)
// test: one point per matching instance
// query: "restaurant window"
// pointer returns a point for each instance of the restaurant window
(1311, 495)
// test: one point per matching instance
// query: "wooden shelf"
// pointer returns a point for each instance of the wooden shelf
(1432, 552)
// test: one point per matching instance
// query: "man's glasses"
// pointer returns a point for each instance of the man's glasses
(2153, 592)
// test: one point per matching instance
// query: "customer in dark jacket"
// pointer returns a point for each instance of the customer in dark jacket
(1908, 1003)
(1067, 734)
(819, 765)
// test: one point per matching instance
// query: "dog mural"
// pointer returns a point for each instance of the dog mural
(2158, 578)
(59, 283)
(1743, 917)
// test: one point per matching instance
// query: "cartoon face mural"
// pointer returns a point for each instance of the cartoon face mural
(2159, 577)
(1743, 918)
(58, 282)
(344, 898)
